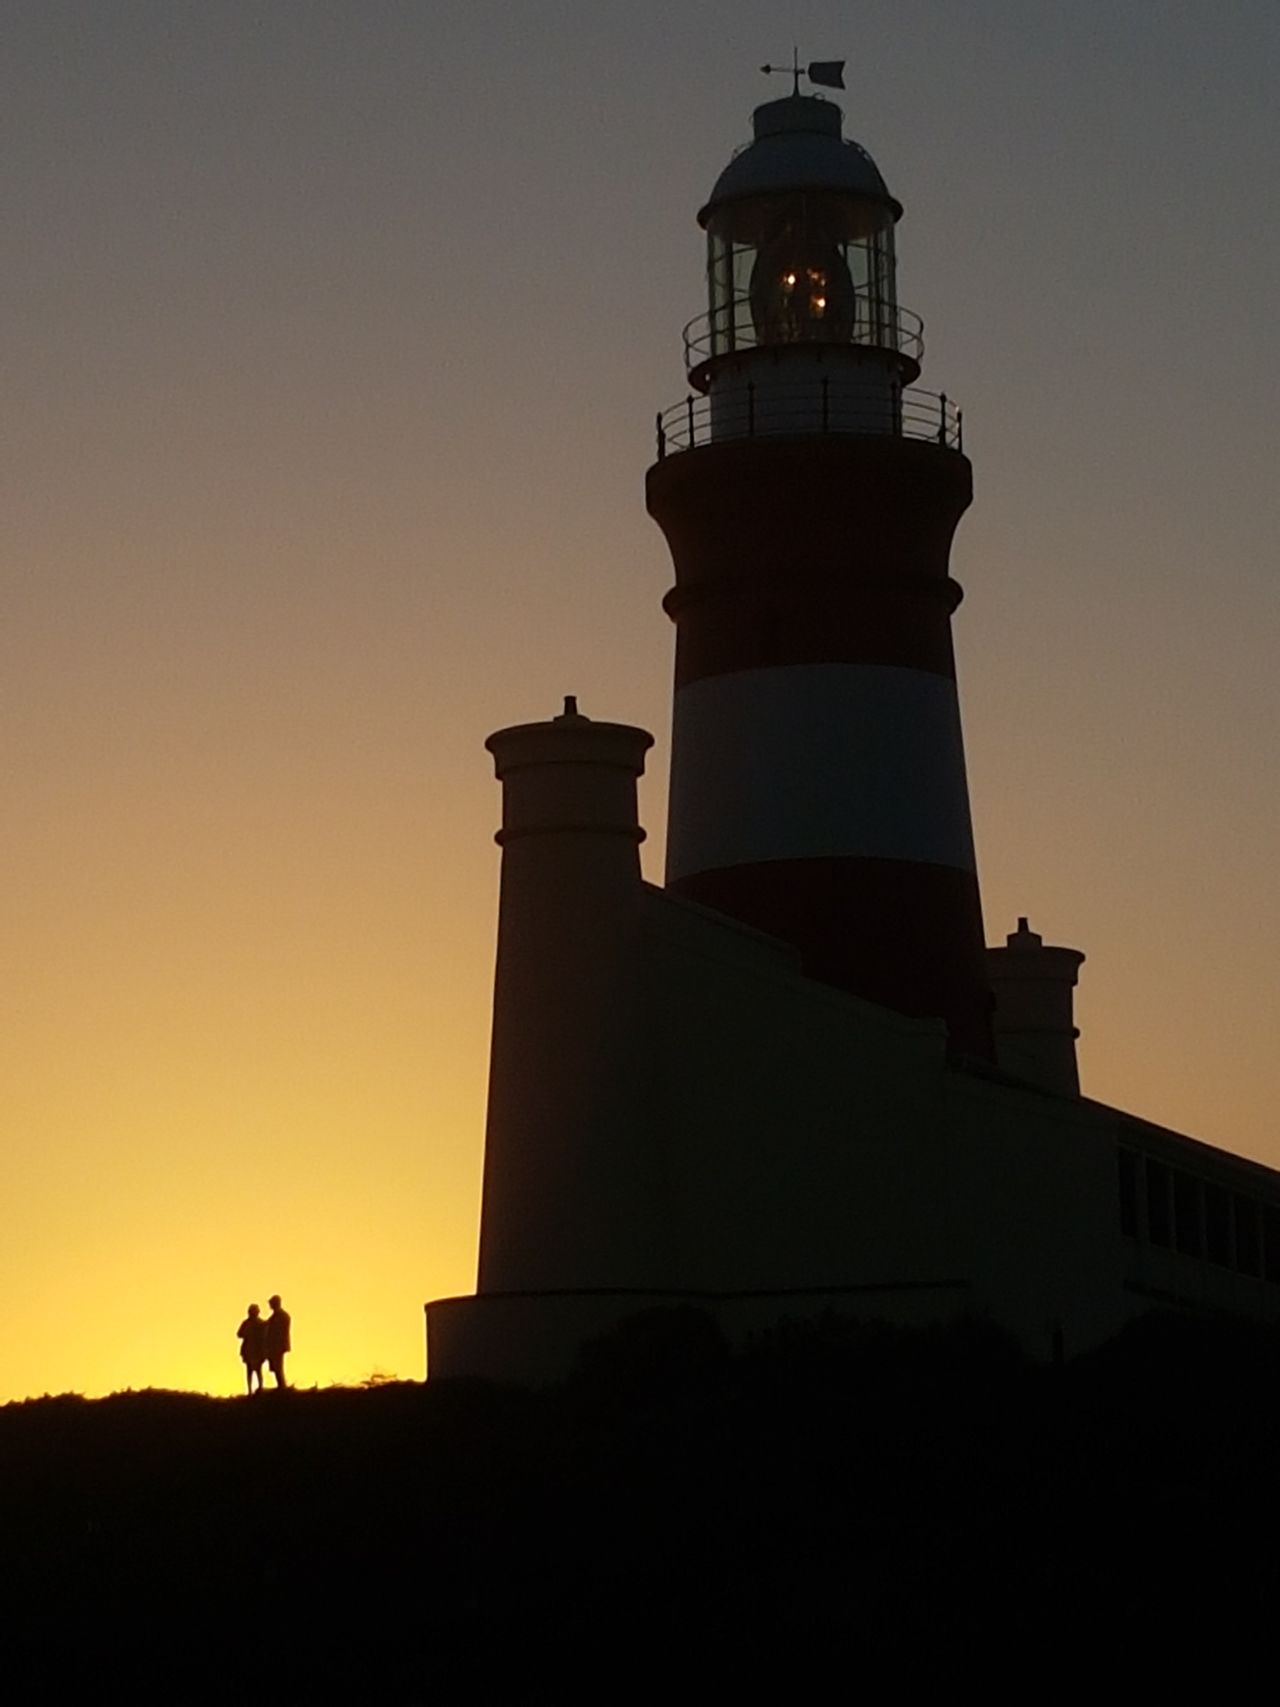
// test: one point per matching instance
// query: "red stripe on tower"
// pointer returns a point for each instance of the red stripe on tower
(809, 495)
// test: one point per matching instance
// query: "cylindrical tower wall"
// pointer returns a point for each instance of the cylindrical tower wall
(818, 784)
(566, 1188)
(813, 389)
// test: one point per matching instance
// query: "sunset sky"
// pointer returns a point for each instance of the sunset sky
(333, 335)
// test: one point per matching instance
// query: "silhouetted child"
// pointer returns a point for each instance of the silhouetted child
(252, 1334)
(277, 1332)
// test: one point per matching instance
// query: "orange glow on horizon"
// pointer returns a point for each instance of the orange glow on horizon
(295, 516)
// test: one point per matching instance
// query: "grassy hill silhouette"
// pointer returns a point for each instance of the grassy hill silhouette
(839, 1489)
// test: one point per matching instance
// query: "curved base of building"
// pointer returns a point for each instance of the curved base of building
(534, 1338)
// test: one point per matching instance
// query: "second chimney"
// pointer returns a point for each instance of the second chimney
(1034, 1022)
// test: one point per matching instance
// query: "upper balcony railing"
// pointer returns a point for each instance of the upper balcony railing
(871, 324)
(807, 408)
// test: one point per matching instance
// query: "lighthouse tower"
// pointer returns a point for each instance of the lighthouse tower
(809, 492)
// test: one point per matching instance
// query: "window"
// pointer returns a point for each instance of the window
(1271, 1242)
(1186, 1215)
(1128, 1166)
(1159, 1218)
(1248, 1247)
(1217, 1225)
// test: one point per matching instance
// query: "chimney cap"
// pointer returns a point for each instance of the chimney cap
(1026, 954)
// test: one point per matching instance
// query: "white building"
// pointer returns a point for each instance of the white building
(793, 1080)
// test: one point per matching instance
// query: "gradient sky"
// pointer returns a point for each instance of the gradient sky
(333, 333)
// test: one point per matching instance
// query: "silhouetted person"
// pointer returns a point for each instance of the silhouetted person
(252, 1334)
(276, 1328)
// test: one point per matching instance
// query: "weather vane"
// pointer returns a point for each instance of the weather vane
(827, 72)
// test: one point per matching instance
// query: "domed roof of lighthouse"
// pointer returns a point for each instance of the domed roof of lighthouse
(799, 145)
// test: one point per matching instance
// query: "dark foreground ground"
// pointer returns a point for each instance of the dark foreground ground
(675, 1524)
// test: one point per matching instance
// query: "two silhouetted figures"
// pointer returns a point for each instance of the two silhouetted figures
(264, 1342)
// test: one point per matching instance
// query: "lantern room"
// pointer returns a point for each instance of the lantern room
(800, 247)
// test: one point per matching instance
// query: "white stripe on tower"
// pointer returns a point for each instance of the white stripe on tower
(817, 761)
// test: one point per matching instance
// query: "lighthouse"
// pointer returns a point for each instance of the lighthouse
(809, 490)
(790, 1082)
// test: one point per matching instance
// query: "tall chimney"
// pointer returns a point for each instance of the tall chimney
(1034, 1023)
(564, 1168)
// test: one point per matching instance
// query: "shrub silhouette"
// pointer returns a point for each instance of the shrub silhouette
(657, 1351)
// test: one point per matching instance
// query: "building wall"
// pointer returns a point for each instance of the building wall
(1200, 1228)
(1030, 1179)
(777, 1103)
(815, 1140)
(810, 1152)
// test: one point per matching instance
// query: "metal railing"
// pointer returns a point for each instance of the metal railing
(871, 324)
(816, 407)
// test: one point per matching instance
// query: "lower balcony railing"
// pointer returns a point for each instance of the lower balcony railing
(805, 408)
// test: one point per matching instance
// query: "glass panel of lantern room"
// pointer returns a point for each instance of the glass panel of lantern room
(720, 293)
(857, 258)
(875, 268)
(744, 259)
(883, 302)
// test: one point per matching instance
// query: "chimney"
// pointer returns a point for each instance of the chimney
(564, 1176)
(1034, 1023)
